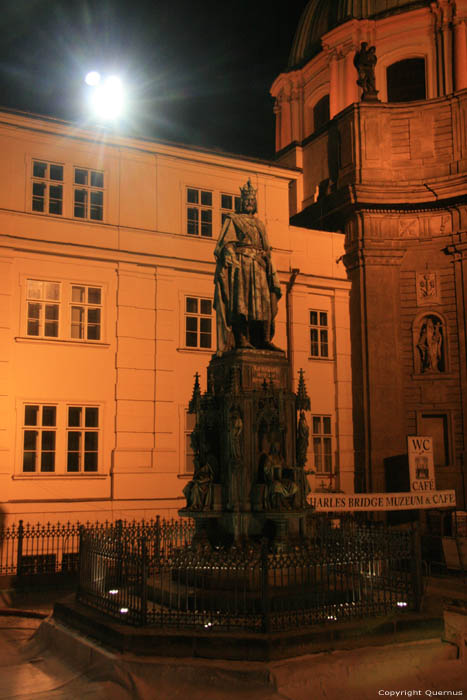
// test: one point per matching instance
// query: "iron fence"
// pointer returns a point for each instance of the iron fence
(339, 574)
(52, 549)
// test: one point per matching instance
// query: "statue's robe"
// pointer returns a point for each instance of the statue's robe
(243, 289)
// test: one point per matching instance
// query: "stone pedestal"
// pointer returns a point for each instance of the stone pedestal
(247, 484)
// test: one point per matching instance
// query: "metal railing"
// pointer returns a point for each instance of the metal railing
(52, 549)
(340, 574)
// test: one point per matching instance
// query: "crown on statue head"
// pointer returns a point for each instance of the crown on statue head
(247, 190)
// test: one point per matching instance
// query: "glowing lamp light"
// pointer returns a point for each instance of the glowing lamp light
(93, 78)
(106, 98)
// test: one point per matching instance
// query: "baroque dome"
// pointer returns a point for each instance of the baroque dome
(320, 16)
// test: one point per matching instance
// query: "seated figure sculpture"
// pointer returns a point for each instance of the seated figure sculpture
(246, 284)
(199, 491)
(280, 491)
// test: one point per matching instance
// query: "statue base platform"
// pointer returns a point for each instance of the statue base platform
(246, 483)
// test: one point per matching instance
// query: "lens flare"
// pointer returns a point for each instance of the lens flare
(107, 98)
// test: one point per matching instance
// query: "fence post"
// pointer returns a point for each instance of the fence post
(144, 581)
(80, 555)
(157, 543)
(265, 600)
(19, 554)
(118, 537)
(417, 580)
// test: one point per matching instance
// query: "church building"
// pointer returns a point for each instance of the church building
(385, 165)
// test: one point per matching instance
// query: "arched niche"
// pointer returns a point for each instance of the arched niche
(430, 344)
(317, 112)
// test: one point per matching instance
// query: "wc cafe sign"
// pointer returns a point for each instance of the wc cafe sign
(422, 494)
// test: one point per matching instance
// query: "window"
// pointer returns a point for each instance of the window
(43, 308)
(63, 311)
(321, 113)
(82, 438)
(406, 80)
(39, 438)
(229, 203)
(322, 444)
(199, 212)
(85, 312)
(435, 425)
(60, 438)
(88, 194)
(198, 322)
(47, 187)
(319, 334)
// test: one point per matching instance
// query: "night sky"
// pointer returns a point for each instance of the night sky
(195, 72)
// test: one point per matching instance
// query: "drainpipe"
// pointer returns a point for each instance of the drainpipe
(289, 320)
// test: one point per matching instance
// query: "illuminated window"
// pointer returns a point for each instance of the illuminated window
(198, 322)
(88, 194)
(63, 311)
(319, 334)
(82, 439)
(39, 438)
(229, 203)
(43, 308)
(322, 443)
(199, 212)
(85, 312)
(47, 187)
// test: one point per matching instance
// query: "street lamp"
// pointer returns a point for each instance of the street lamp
(106, 96)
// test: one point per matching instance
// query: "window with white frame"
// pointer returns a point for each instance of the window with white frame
(43, 307)
(319, 334)
(82, 439)
(199, 212)
(88, 194)
(62, 310)
(198, 322)
(39, 437)
(60, 438)
(322, 443)
(229, 203)
(85, 312)
(47, 187)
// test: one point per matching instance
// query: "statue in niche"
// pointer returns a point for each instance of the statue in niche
(280, 488)
(430, 345)
(303, 433)
(247, 288)
(199, 491)
(237, 479)
(365, 62)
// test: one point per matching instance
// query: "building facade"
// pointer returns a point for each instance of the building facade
(391, 175)
(106, 291)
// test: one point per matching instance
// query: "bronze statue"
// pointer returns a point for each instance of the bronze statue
(365, 62)
(280, 489)
(198, 492)
(246, 285)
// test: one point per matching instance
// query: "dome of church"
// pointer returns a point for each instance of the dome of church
(320, 16)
